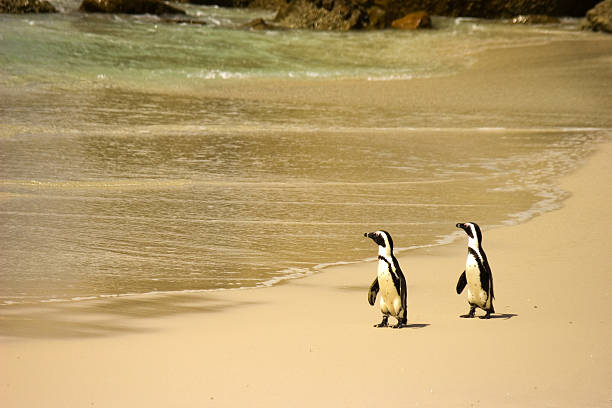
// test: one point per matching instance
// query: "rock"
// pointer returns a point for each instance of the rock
(369, 14)
(599, 18)
(265, 4)
(258, 24)
(377, 17)
(535, 19)
(324, 15)
(366, 14)
(156, 7)
(26, 6)
(413, 21)
(336, 14)
(190, 21)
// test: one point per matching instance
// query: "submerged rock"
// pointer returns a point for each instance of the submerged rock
(413, 21)
(156, 7)
(186, 21)
(599, 18)
(259, 24)
(26, 6)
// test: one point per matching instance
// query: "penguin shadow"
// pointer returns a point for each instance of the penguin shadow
(412, 326)
(416, 326)
(504, 316)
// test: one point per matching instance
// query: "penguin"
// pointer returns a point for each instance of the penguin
(477, 274)
(390, 282)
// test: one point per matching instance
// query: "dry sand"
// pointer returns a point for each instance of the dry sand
(311, 342)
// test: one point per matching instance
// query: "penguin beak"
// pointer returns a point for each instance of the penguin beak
(462, 226)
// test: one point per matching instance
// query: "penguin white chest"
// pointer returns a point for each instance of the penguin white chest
(390, 301)
(476, 295)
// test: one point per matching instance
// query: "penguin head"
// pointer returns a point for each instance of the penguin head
(383, 240)
(472, 230)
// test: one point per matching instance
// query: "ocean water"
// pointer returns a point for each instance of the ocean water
(121, 172)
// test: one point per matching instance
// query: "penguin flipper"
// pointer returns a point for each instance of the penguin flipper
(373, 291)
(461, 283)
(491, 279)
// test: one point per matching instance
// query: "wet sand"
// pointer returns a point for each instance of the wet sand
(311, 341)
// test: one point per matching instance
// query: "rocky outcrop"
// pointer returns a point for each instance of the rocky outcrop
(156, 7)
(365, 14)
(26, 6)
(599, 18)
(339, 15)
(413, 21)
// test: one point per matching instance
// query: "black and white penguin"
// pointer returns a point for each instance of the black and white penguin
(477, 274)
(390, 282)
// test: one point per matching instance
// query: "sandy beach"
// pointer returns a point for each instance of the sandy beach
(310, 341)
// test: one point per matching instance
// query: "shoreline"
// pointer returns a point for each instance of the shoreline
(312, 338)
(545, 203)
(514, 219)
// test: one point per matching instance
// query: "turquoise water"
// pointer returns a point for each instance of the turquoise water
(83, 50)
(122, 172)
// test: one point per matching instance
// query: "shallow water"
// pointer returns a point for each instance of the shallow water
(116, 177)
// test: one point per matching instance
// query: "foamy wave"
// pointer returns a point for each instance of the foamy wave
(397, 77)
(217, 74)
(99, 184)
(289, 273)
(550, 200)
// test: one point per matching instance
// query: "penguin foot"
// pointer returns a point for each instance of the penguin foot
(401, 322)
(470, 315)
(384, 322)
(487, 316)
